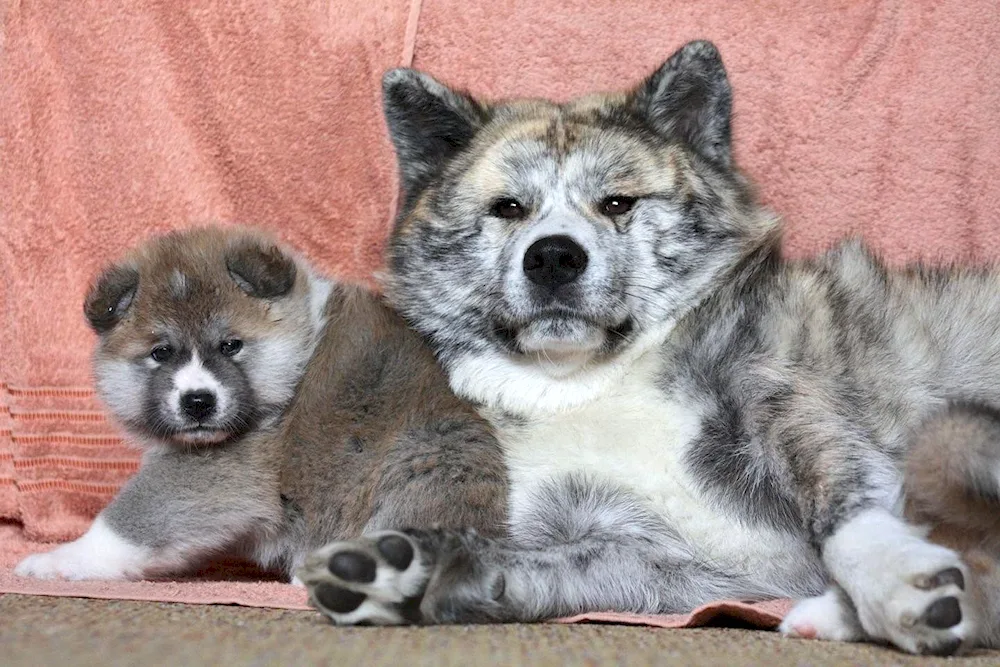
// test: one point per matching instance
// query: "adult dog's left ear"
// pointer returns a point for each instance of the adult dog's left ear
(428, 123)
(260, 268)
(689, 98)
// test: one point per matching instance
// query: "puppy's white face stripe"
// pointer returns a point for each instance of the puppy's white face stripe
(193, 376)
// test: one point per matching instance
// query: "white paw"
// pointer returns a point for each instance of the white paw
(905, 590)
(827, 617)
(377, 579)
(99, 554)
(922, 606)
(66, 562)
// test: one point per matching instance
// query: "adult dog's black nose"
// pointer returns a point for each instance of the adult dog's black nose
(553, 261)
(198, 405)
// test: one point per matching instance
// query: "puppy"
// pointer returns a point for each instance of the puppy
(277, 411)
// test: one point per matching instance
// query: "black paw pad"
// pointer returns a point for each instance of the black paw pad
(943, 613)
(353, 567)
(950, 576)
(498, 587)
(336, 599)
(947, 648)
(396, 550)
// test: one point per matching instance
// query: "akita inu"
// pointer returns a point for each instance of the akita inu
(685, 414)
(277, 410)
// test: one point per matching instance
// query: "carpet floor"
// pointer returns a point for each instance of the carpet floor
(75, 631)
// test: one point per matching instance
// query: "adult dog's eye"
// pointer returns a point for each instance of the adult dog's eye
(162, 353)
(230, 347)
(617, 205)
(508, 209)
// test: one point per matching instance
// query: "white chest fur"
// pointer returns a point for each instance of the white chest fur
(635, 436)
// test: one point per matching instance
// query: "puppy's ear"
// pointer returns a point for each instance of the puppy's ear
(110, 297)
(689, 98)
(260, 268)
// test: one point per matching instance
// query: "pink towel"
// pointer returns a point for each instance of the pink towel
(231, 583)
(868, 116)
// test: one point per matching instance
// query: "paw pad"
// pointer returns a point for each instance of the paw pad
(952, 575)
(377, 578)
(943, 613)
(338, 600)
(353, 566)
(396, 550)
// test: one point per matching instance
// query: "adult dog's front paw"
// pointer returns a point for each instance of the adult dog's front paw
(922, 603)
(904, 589)
(377, 579)
(916, 600)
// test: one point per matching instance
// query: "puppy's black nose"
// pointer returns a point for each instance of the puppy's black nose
(198, 405)
(553, 261)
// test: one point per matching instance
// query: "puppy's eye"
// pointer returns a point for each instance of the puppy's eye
(230, 347)
(617, 205)
(162, 353)
(508, 209)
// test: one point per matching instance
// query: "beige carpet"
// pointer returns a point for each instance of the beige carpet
(73, 631)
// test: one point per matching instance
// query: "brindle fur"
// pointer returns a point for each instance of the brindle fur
(693, 415)
(365, 434)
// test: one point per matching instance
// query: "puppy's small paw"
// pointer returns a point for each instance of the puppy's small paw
(39, 566)
(377, 579)
(66, 562)
(100, 554)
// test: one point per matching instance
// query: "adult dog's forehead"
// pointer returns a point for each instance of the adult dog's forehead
(523, 154)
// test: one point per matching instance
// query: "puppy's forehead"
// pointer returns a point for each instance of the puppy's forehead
(184, 285)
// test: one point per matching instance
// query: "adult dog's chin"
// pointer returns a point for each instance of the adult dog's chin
(561, 342)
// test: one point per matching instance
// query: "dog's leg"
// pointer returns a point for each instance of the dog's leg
(905, 589)
(168, 517)
(586, 549)
(101, 553)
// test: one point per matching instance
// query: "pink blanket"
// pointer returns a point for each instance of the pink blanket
(234, 583)
(876, 117)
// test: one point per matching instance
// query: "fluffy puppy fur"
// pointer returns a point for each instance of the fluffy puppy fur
(278, 411)
(685, 414)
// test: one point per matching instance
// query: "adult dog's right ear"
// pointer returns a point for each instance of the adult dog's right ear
(110, 297)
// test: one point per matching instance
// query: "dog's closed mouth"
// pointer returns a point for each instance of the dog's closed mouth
(561, 332)
(201, 435)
